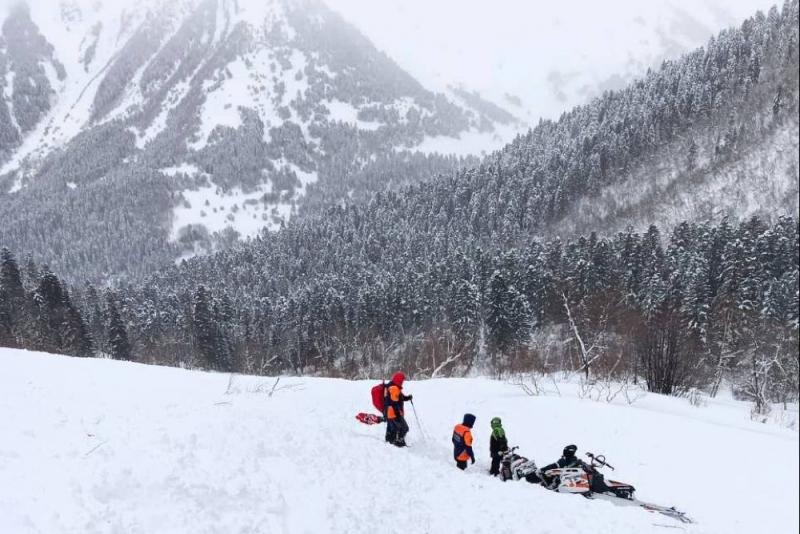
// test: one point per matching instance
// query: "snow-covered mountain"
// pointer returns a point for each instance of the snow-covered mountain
(101, 446)
(232, 109)
(132, 136)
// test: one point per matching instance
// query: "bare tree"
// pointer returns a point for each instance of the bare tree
(533, 383)
(588, 355)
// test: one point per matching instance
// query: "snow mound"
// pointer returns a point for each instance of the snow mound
(101, 446)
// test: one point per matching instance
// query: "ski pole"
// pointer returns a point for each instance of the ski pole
(419, 424)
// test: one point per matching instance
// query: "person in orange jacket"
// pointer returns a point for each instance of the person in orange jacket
(396, 426)
(462, 442)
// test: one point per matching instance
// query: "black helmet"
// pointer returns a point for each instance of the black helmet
(570, 450)
(469, 420)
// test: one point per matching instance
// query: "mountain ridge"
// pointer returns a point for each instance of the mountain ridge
(250, 105)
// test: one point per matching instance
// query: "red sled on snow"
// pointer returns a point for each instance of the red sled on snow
(369, 418)
(378, 393)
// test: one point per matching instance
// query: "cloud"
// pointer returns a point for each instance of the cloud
(6, 5)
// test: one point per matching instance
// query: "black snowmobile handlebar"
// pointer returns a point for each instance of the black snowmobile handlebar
(599, 460)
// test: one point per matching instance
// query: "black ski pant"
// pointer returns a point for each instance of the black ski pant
(396, 430)
(495, 469)
(598, 483)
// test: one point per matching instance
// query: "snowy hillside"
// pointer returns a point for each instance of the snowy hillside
(761, 181)
(201, 121)
(90, 63)
(101, 446)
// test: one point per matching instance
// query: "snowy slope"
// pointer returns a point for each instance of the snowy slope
(100, 446)
(761, 184)
(86, 38)
(264, 107)
(140, 39)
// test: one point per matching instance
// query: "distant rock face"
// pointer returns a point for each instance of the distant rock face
(29, 69)
(138, 134)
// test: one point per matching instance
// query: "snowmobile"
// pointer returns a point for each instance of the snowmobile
(588, 481)
(516, 467)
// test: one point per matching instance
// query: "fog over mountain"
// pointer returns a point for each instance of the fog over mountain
(539, 59)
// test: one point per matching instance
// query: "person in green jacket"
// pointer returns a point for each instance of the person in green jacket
(498, 445)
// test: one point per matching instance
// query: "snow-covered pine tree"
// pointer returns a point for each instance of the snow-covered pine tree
(94, 317)
(7, 338)
(48, 299)
(12, 296)
(117, 335)
(204, 338)
(75, 334)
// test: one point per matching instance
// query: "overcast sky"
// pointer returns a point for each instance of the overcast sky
(552, 55)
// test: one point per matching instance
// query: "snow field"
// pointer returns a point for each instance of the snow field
(220, 213)
(96, 446)
(346, 112)
(470, 143)
(244, 212)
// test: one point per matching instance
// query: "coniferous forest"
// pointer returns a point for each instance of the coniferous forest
(684, 310)
(463, 273)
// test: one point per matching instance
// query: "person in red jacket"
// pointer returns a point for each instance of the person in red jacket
(462, 442)
(396, 426)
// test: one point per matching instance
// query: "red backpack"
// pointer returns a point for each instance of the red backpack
(378, 395)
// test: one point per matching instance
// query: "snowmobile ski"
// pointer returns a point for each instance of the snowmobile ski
(668, 511)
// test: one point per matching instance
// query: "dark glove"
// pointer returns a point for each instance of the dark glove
(409, 397)
(473, 459)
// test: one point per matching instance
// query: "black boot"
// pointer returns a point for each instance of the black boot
(391, 431)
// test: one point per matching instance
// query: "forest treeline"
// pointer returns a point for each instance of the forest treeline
(702, 305)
